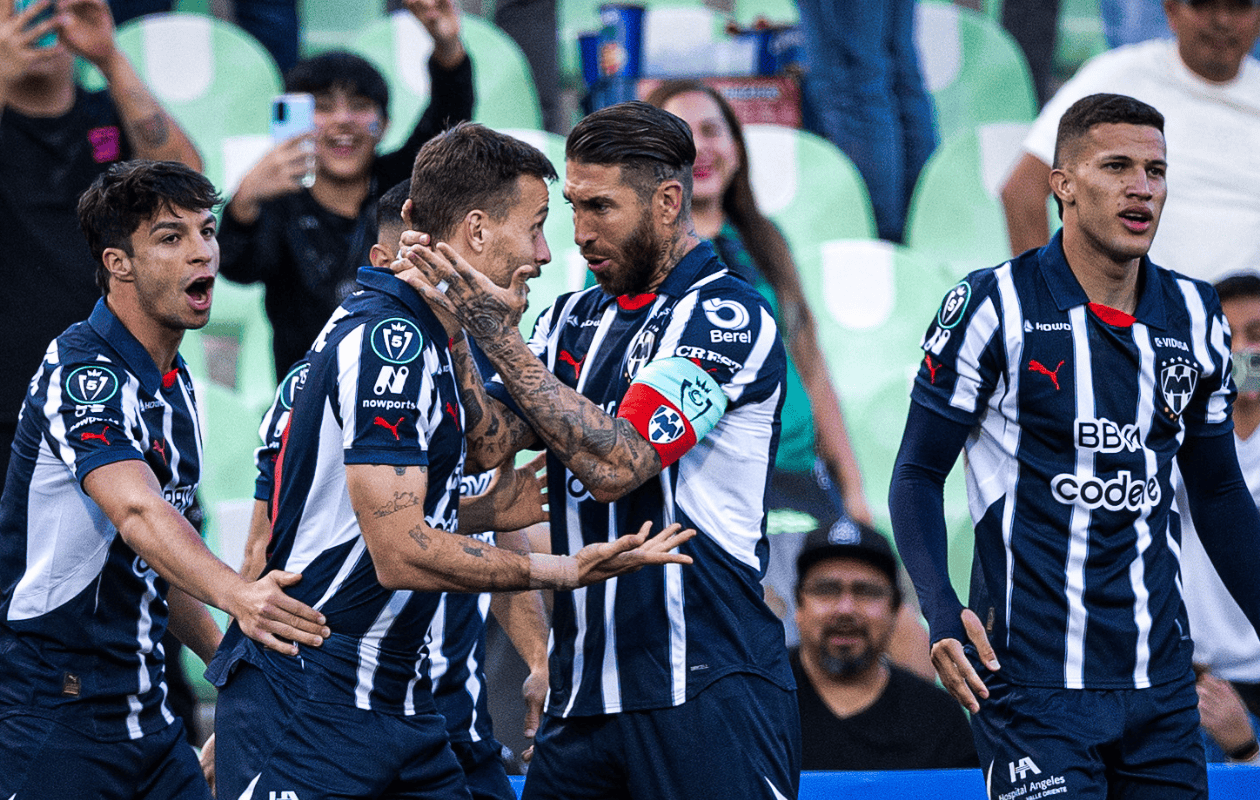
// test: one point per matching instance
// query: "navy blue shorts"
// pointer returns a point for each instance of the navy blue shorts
(487, 779)
(739, 738)
(47, 759)
(271, 743)
(1091, 744)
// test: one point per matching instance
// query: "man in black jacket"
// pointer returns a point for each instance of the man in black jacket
(305, 245)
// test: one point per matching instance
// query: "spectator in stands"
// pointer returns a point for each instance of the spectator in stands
(55, 138)
(274, 23)
(305, 245)
(1208, 90)
(1034, 25)
(866, 93)
(1223, 639)
(858, 710)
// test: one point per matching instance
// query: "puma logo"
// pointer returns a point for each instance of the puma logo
(391, 428)
(159, 447)
(567, 358)
(932, 368)
(88, 436)
(1037, 366)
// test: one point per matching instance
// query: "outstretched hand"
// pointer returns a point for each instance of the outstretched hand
(273, 619)
(630, 553)
(447, 282)
(441, 19)
(18, 50)
(956, 673)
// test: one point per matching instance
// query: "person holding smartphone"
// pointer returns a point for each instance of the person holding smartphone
(55, 138)
(306, 244)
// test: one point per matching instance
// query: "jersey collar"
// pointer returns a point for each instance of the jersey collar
(380, 279)
(1067, 291)
(110, 328)
(700, 260)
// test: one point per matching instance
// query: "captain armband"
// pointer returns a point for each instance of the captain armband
(673, 404)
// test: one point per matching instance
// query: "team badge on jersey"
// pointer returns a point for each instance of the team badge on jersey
(90, 385)
(291, 384)
(640, 351)
(1178, 377)
(397, 340)
(953, 306)
(665, 426)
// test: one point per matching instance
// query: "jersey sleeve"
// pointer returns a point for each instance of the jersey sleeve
(387, 395)
(87, 416)
(272, 429)
(962, 352)
(1213, 393)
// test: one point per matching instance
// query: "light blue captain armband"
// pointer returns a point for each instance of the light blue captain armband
(673, 403)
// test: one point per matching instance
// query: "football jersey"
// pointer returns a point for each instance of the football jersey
(654, 638)
(81, 615)
(379, 389)
(1078, 412)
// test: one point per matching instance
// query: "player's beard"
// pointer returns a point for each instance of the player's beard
(639, 255)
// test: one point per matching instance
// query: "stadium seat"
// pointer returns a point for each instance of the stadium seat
(333, 24)
(1080, 35)
(399, 46)
(216, 80)
(776, 12)
(956, 213)
(233, 350)
(567, 271)
(972, 67)
(227, 472)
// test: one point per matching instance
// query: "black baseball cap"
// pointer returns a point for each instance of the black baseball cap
(848, 539)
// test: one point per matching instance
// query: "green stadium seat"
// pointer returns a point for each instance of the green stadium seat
(399, 47)
(956, 212)
(776, 12)
(333, 24)
(216, 80)
(1080, 35)
(974, 70)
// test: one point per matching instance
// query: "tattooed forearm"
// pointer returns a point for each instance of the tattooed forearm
(153, 131)
(401, 500)
(478, 552)
(420, 537)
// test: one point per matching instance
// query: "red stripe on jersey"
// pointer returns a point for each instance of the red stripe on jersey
(275, 475)
(659, 421)
(1112, 316)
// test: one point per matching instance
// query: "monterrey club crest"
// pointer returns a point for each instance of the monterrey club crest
(953, 306)
(91, 385)
(665, 426)
(397, 340)
(640, 351)
(1177, 378)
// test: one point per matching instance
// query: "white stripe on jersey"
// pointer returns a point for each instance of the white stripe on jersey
(438, 662)
(610, 677)
(1142, 525)
(133, 717)
(1078, 542)
(979, 331)
(327, 518)
(144, 626)
(370, 647)
(473, 683)
(1216, 405)
(1012, 313)
(348, 350)
(675, 608)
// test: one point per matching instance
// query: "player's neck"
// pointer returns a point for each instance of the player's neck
(158, 340)
(851, 695)
(1105, 280)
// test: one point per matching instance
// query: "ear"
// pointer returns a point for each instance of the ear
(475, 231)
(118, 264)
(379, 256)
(667, 202)
(406, 212)
(1063, 186)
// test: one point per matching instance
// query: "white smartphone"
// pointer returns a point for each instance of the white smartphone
(293, 115)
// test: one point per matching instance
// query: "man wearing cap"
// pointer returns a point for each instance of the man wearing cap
(858, 710)
(1208, 89)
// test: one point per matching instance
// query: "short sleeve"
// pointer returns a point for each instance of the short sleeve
(87, 419)
(962, 356)
(1212, 390)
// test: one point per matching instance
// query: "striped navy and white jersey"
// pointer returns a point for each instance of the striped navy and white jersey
(1078, 413)
(81, 615)
(379, 389)
(656, 637)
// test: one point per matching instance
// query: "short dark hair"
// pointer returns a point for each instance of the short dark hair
(1239, 285)
(339, 69)
(470, 166)
(123, 197)
(649, 144)
(1099, 109)
(389, 207)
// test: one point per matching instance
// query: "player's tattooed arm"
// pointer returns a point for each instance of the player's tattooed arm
(494, 434)
(606, 453)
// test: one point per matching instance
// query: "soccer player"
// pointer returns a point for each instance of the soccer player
(1074, 375)
(367, 501)
(657, 395)
(96, 557)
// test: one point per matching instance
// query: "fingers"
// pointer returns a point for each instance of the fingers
(957, 675)
(977, 636)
